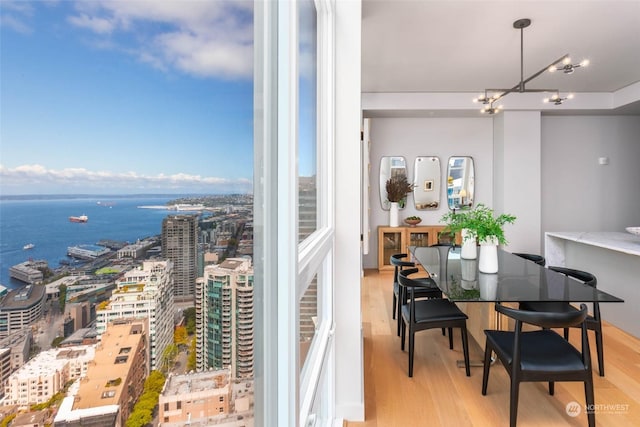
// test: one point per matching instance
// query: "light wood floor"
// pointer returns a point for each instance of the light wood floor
(439, 394)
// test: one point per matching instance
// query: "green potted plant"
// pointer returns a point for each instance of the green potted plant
(397, 189)
(480, 224)
(481, 221)
(462, 222)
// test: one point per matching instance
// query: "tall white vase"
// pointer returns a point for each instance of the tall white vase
(469, 249)
(488, 262)
(393, 215)
(488, 286)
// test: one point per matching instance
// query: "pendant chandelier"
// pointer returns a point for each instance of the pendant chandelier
(563, 64)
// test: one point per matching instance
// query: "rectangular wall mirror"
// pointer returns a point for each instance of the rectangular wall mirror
(460, 182)
(391, 166)
(426, 183)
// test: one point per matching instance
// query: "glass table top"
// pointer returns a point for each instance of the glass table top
(517, 279)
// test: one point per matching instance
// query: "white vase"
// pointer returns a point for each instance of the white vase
(393, 215)
(488, 286)
(488, 262)
(468, 269)
(469, 249)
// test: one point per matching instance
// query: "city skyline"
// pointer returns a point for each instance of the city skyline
(110, 97)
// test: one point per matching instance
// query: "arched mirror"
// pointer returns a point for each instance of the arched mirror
(460, 182)
(391, 166)
(426, 183)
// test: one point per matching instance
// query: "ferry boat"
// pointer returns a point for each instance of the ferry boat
(81, 218)
(28, 246)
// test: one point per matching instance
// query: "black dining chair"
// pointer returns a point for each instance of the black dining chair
(540, 355)
(593, 322)
(427, 289)
(538, 259)
(423, 314)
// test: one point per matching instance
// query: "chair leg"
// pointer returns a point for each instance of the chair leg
(465, 349)
(444, 334)
(566, 334)
(600, 351)
(487, 366)
(589, 398)
(450, 338)
(403, 333)
(513, 402)
(411, 344)
(552, 388)
(395, 302)
(401, 300)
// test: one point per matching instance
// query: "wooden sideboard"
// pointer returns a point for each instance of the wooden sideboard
(394, 240)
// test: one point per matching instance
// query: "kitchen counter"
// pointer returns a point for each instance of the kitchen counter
(614, 258)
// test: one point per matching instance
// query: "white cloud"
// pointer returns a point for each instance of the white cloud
(202, 38)
(69, 180)
(15, 16)
(97, 25)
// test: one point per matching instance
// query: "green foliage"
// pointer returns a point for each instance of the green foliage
(481, 221)
(56, 342)
(63, 296)
(180, 335)
(191, 361)
(168, 356)
(7, 420)
(190, 320)
(142, 413)
(397, 188)
(154, 382)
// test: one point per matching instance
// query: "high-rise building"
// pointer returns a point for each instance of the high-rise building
(224, 318)
(113, 380)
(180, 245)
(144, 292)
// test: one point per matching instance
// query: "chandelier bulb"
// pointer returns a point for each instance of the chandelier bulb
(566, 61)
(584, 63)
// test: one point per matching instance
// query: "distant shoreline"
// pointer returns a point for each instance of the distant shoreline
(106, 196)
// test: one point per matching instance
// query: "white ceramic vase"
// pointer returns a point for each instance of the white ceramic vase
(488, 286)
(393, 215)
(488, 262)
(469, 248)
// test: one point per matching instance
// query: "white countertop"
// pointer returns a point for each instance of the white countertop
(615, 241)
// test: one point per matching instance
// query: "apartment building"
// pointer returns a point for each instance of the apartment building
(47, 374)
(114, 379)
(21, 308)
(180, 245)
(225, 318)
(144, 292)
(207, 398)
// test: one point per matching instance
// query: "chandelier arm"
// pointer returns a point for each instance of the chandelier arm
(562, 58)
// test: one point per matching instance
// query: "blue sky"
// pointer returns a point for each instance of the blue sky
(117, 97)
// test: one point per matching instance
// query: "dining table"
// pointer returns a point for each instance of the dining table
(517, 280)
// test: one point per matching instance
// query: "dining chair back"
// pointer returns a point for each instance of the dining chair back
(427, 289)
(422, 314)
(593, 321)
(540, 355)
(538, 259)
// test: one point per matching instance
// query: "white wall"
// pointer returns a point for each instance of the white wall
(578, 193)
(516, 177)
(442, 137)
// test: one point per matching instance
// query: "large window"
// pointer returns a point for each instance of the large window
(294, 227)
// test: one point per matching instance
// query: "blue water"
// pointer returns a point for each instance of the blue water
(45, 223)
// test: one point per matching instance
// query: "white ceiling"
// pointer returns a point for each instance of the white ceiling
(467, 46)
